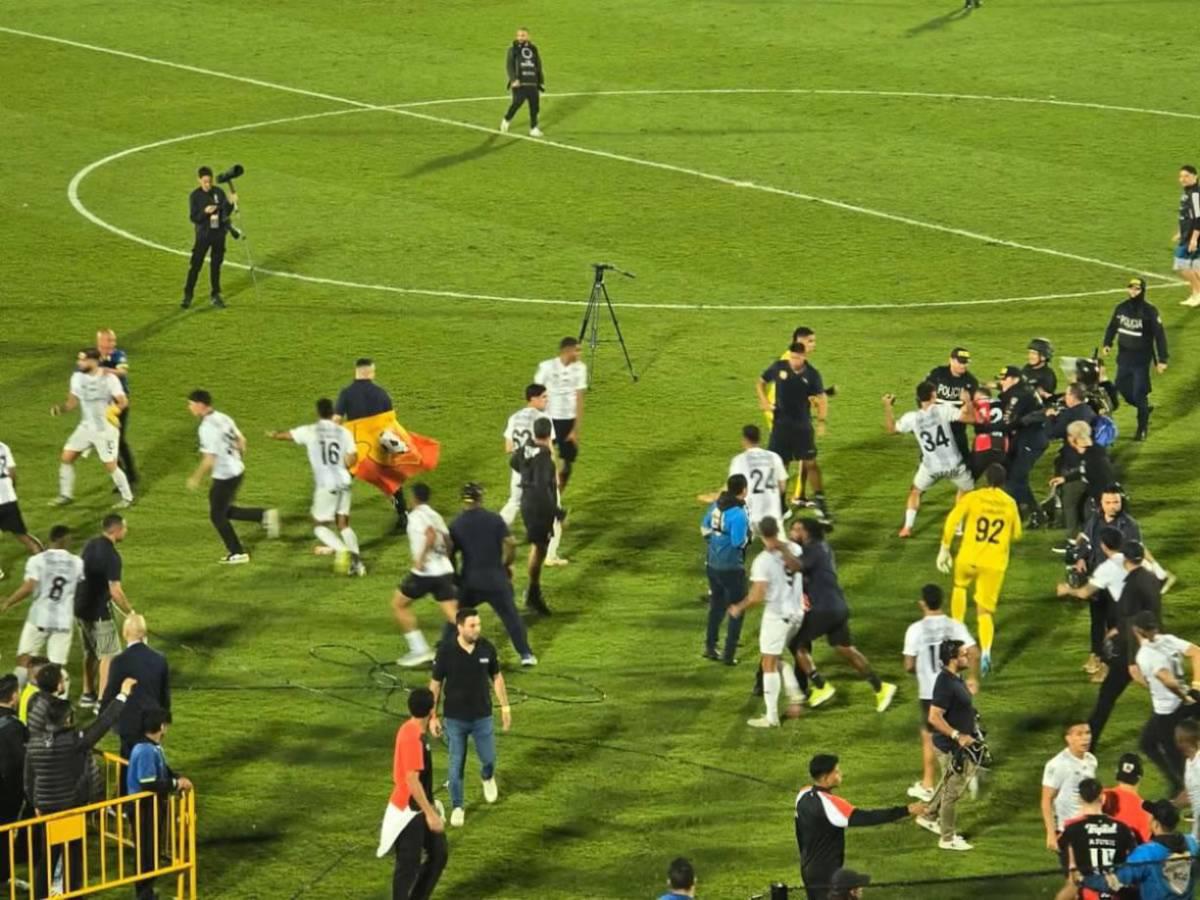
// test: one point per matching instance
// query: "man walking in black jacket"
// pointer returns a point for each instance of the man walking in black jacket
(149, 670)
(525, 80)
(209, 211)
(539, 505)
(1141, 342)
(13, 736)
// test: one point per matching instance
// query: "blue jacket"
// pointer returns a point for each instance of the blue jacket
(727, 531)
(1161, 871)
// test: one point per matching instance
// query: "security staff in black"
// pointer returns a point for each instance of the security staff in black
(949, 381)
(1037, 371)
(209, 210)
(1141, 342)
(797, 387)
(1025, 420)
(525, 79)
(539, 504)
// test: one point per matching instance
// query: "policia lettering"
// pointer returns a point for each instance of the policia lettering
(1141, 342)
(525, 79)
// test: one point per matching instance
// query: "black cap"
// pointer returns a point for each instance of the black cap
(960, 354)
(363, 361)
(822, 764)
(847, 879)
(1133, 551)
(1129, 768)
(1163, 811)
(472, 491)
(1009, 372)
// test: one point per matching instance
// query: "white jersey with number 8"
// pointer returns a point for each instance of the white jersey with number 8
(57, 572)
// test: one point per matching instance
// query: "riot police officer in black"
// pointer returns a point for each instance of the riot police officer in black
(209, 210)
(1141, 342)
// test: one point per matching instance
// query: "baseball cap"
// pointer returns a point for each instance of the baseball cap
(960, 354)
(1129, 768)
(1133, 551)
(846, 879)
(1009, 372)
(1081, 431)
(472, 490)
(1139, 283)
(1163, 811)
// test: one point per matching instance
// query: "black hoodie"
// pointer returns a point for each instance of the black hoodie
(1138, 330)
(524, 65)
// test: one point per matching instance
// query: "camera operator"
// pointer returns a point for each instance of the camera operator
(1026, 423)
(1102, 588)
(209, 210)
(1141, 341)
(1037, 371)
(1074, 408)
(1084, 472)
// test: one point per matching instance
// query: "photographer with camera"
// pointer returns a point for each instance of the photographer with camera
(1084, 471)
(1102, 588)
(1141, 342)
(209, 210)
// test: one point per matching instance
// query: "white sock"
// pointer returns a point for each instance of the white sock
(416, 641)
(772, 684)
(508, 512)
(791, 686)
(555, 540)
(66, 480)
(350, 539)
(22, 674)
(910, 518)
(121, 480)
(327, 537)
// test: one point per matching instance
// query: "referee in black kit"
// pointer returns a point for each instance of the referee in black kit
(209, 209)
(525, 80)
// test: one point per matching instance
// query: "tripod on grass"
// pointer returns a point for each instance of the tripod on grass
(590, 329)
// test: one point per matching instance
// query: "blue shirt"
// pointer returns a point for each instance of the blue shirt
(727, 532)
(1156, 874)
(673, 896)
(114, 361)
(147, 768)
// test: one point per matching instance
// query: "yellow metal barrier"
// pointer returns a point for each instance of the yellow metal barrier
(116, 842)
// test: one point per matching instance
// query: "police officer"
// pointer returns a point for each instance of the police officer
(1025, 421)
(1141, 342)
(1037, 371)
(209, 209)
(798, 387)
(950, 381)
(525, 79)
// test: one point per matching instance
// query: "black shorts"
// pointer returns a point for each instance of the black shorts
(539, 528)
(925, 704)
(793, 440)
(10, 518)
(567, 450)
(833, 626)
(415, 586)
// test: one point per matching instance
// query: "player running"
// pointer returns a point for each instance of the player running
(991, 522)
(518, 434)
(431, 573)
(766, 478)
(11, 519)
(932, 425)
(100, 400)
(331, 453)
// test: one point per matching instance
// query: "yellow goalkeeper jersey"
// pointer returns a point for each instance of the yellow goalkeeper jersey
(991, 522)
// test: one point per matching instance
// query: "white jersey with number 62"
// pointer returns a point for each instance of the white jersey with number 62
(766, 477)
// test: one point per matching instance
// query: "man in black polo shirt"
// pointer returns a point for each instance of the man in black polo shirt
(953, 720)
(950, 381)
(364, 399)
(101, 583)
(480, 537)
(209, 211)
(797, 386)
(469, 670)
(539, 505)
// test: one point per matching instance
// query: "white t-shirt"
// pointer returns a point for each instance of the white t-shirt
(1110, 576)
(1164, 652)
(219, 436)
(96, 393)
(437, 563)
(923, 641)
(8, 492)
(766, 476)
(785, 590)
(57, 572)
(931, 427)
(1064, 772)
(561, 381)
(328, 445)
(519, 429)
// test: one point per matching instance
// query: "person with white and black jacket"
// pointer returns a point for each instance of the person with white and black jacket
(523, 64)
(1141, 342)
(1187, 235)
(1159, 663)
(539, 504)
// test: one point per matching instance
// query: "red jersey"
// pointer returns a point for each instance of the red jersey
(1123, 804)
(409, 756)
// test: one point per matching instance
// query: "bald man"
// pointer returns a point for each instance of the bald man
(114, 361)
(153, 689)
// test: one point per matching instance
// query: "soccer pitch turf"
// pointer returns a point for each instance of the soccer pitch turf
(897, 176)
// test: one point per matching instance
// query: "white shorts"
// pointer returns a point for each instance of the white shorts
(45, 642)
(328, 503)
(775, 632)
(925, 479)
(514, 489)
(103, 440)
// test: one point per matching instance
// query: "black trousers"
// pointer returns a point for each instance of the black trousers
(520, 95)
(505, 607)
(44, 864)
(1111, 689)
(1029, 451)
(149, 840)
(1158, 743)
(415, 878)
(123, 451)
(207, 239)
(221, 495)
(1098, 612)
(1133, 381)
(817, 878)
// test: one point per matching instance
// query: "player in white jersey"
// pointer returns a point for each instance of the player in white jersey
(565, 378)
(331, 453)
(11, 519)
(50, 578)
(940, 457)
(100, 399)
(430, 573)
(922, 641)
(776, 582)
(766, 478)
(518, 434)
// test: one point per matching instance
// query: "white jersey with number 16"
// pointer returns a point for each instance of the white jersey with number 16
(328, 445)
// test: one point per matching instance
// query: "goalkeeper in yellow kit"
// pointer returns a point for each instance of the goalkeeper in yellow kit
(989, 521)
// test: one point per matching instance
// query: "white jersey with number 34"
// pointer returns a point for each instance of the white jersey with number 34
(766, 477)
(328, 445)
(931, 427)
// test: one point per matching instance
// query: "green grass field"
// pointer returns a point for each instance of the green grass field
(715, 199)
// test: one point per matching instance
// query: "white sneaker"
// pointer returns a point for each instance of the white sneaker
(457, 816)
(1193, 300)
(918, 791)
(929, 825)
(763, 722)
(271, 522)
(3, 574)
(123, 503)
(61, 500)
(535, 132)
(358, 569)
(556, 561)
(955, 843)
(504, 126)
(235, 559)
(414, 658)
(490, 790)
(529, 661)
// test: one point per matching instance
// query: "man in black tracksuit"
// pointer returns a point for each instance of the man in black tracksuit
(1141, 342)
(1025, 420)
(525, 80)
(209, 210)
(539, 504)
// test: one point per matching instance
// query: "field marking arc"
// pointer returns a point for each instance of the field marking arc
(405, 109)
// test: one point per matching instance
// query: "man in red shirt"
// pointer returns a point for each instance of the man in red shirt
(1123, 802)
(411, 823)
